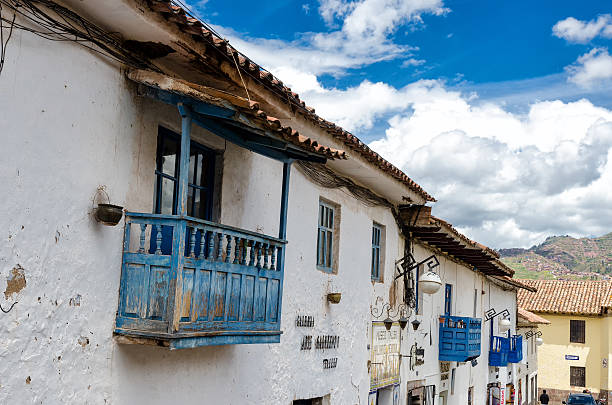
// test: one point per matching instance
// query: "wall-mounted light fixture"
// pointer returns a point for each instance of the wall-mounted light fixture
(538, 334)
(415, 324)
(402, 310)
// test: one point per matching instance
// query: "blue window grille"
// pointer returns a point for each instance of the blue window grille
(325, 237)
(376, 244)
(498, 353)
(459, 338)
(516, 349)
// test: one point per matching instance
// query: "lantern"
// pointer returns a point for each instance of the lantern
(504, 325)
(430, 283)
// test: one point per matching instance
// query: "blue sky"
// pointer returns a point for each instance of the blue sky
(501, 109)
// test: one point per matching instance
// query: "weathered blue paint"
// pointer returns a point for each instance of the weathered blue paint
(498, 352)
(459, 338)
(201, 296)
(223, 122)
(515, 355)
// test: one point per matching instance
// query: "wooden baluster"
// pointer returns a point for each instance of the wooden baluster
(143, 229)
(237, 251)
(266, 251)
(273, 258)
(251, 253)
(220, 247)
(259, 252)
(211, 245)
(191, 252)
(245, 246)
(228, 249)
(158, 240)
(202, 243)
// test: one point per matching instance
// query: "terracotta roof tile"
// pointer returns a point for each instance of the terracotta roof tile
(250, 108)
(183, 20)
(526, 317)
(517, 283)
(567, 297)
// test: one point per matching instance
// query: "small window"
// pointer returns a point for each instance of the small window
(577, 331)
(377, 233)
(577, 376)
(325, 237)
(448, 300)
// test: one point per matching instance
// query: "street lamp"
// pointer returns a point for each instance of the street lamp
(430, 282)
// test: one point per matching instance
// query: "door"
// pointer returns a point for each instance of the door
(200, 182)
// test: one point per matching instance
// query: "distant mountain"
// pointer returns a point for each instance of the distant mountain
(563, 257)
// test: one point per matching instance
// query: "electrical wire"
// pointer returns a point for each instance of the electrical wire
(3, 44)
(53, 22)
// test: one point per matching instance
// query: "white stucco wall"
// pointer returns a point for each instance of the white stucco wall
(71, 123)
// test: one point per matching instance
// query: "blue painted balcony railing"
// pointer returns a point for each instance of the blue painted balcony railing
(459, 338)
(515, 355)
(186, 282)
(498, 353)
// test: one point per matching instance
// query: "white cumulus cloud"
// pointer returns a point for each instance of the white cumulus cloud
(507, 179)
(362, 33)
(574, 30)
(591, 69)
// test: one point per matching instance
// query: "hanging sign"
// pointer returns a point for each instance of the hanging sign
(385, 357)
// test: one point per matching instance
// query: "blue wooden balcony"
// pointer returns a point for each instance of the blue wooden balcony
(498, 353)
(515, 355)
(186, 282)
(459, 338)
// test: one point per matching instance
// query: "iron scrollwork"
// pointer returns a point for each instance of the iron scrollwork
(531, 333)
(491, 313)
(405, 267)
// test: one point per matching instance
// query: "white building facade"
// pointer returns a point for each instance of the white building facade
(252, 255)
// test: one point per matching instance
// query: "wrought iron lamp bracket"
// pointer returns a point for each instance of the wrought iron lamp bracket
(491, 313)
(532, 333)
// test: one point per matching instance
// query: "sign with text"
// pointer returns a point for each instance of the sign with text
(571, 357)
(385, 369)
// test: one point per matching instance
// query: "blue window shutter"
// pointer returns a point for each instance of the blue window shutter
(376, 244)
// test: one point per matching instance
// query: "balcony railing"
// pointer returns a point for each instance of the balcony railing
(186, 282)
(515, 355)
(498, 353)
(459, 338)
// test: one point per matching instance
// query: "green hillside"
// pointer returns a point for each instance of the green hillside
(563, 257)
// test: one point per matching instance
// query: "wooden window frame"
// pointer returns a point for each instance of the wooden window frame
(163, 135)
(376, 267)
(327, 233)
(573, 371)
(577, 331)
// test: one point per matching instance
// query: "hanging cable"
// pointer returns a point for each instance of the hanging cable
(240, 74)
(54, 22)
(3, 44)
